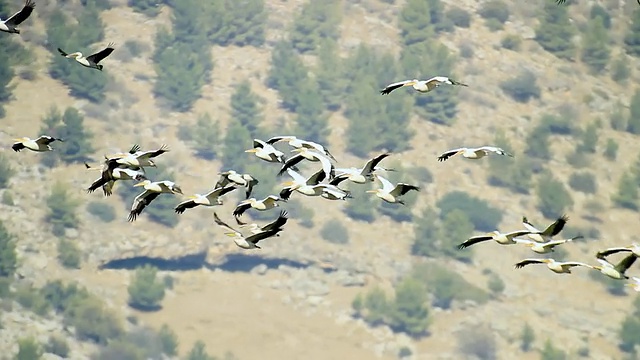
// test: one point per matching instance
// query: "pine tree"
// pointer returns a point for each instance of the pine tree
(199, 352)
(456, 227)
(311, 123)
(150, 8)
(189, 23)
(633, 121)
(77, 145)
(206, 137)
(62, 209)
(245, 108)
(553, 197)
(237, 139)
(415, 22)
(244, 23)
(6, 75)
(409, 312)
(426, 232)
(392, 125)
(589, 138)
(8, 255)
(554, 33)
(146, 291)
(627, 195)
(329, 74)
(90, 28)
(286, 73)
(361, 108)
(632, 38)
(318, 20)
(595, 45)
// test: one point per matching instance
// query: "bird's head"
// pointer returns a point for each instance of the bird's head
(99, 67)
(140, 177)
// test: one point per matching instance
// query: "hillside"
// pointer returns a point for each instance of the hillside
(292, 299)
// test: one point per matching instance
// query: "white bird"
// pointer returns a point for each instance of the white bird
(633, 248)
(634, 282)
(559, 267)
(40, 144)
(422, 86)
(546, 247)
(500, 238)
(473, 153)
(311, 155)
(139, 158)
(90, 61)
(109, 176)
(211, 198)
(545, 236)
(267, 203)
(361, 176)
(245, 180)
(616, 271)
(249, 242)
(16, 19)
(276, 224)
(299, 143)
(302, 185)
(151, 191)
(266, 152)
(332, 192)
(392, 193)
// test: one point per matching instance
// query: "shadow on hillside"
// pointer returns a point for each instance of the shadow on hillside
(230, 262)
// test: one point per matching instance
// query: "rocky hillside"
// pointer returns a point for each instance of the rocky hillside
(293, 298)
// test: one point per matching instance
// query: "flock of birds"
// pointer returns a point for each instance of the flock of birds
(324, 182)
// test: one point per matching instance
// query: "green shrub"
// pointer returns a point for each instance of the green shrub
(466, 50)
(494, 25)
(447, 285)
(553, 197)
(91, 320)
(168, 340)
(495, 9)
(357, 305)
(495, 284)
(57, 345)
(7, 199)
(69, 255)
(135, 47)
(8, 255)
(620, 70)
(333, 231)
(28, 349)
(62, 209)
(31, 299)
(477, 343)
(522, 88)
(611, 150)
(511, 42)
(627, 194)
(578, 159)
(6, 171)
(527, 337)
(199, 352)
(483, 216)
(584, 182)
(146, 291)
(409, 312)
(102, 211)
(459, 17)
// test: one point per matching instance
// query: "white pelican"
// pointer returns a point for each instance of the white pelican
(266, 151)
(616, 271)
(90, 61)
(333, 192)
(634, 282)
(249, 242)
(302, 185)
(391, 193)
(40, 144)
(110, 175)
(422, 86)
(151, 191)
(473, 153)
(361, 176)
(16, 19)
(299, 143)
(544, 236)
(140, 158)
(245, 180)
(276, 224)
(559, 267)
(267, 203)
(211, 198)
(311, 155)
(546, 247)
(633, 248)
(500, 238)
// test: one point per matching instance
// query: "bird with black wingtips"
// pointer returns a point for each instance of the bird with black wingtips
(422, 86)
(10, 25)
(364, 174)
(617, 271)
(558, 267)
(500, 238)
(544, 236)
(109, 175)
(300, 143)
(633, 248)
(38, 145)
(473, 153)
(245, 180)
(151, 191)
(274, 225)
(392, 193)
(266, 152)
(91, 61)
(249, 242)
(267, 203)
(310, 155)
(211, 198)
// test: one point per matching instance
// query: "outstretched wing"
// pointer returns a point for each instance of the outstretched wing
(526, 262)
(97, 57)
(557, 226)
(153, 153)
(140, 202)
(389, 88)
(402, 188)
(250, 185)
(626, 263)
(317, 177)
(103, 180)
(18, 146)
(277, 223)
(255, 238)
(257, 143)
(62, 52)
(187, 204)
(290, 163)
(223, 180)
(474, 240)
(446, 155)
(224, 225)
(338, 179)
(371, 164)
(276, 139)
(21, 15)
(603, 254)
(575, 263)
(239, 210)
(285, 194)
(134, 149)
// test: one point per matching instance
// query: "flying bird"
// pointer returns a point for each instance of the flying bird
(244, 180)
(473, 153)
(422, 86)
(267, 203)
(500, 238)
(249, 242)
(392, 193)
(304, 186)
(546, 247)
(361, 176)
(618, 270)
(151, 191)
(559, 267)
(299, 143)
(90, 61)
(545, 236)
(266, 152)
(276, 224)
(314, 156)
(211, 198)
(16, 19)
(40, 144)
(633, 248)
(109, 176)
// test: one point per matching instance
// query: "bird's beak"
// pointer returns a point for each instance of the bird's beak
(230, 234)
(139, 184)
(251, 150)
(287, 183)
(371, 191)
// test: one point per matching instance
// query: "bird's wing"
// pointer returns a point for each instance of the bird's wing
(134, 149)
(371, 164)
(152, 153)
(217, 192)
(257, 143)
(317, 177)
(554, 243)
(387, 186)
(21, 15)
(575, 263)
(140, 202)
(241, 208)
(296, 176)
(626, 263)
(402, 188)
(389, 88)
(102, 180)
(338, 179)
(107, 188)
(270, 200)
(276, 139)
(18, 146)
(290, 163)
(604, 253)
(224, 225)
(250, 186)
(527, 225)
(557, 226)
(447, 154)
(223, 180)
(277, 223)
(97, 57)
(327, 166)
(187, 204)
(526, 262)
(62, 52)
(45, 140)
(255, 238)
(285, 194)
(474, 240)
(517, 233)
(524, 241)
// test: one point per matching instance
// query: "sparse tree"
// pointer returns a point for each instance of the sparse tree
(553, 197)
(206, 137)
(527, 337)
(311, 123)
(632, 38)
(6, 75)
(620, 70)
(611, 150)
(361, 206)
(318, 20)
(62, 209)
(168, 340)
(550, 352)
(522, 88)
(77, 146)
(589, 138)
(633, 121)
(598, 11)
(236, 140)
(8, 255)
(377, 307)
(415, 22)
(482, 215)
(595, 45)
(243, 23)
(146, 291)
(150, 8)
(28, 349)
(478, 342)
(329, 73)
(245, 108)
(6, 171)
(286, 74)
(555, 31)
(456, 228)
(627, 195)
(409, 312)
(199, 352)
